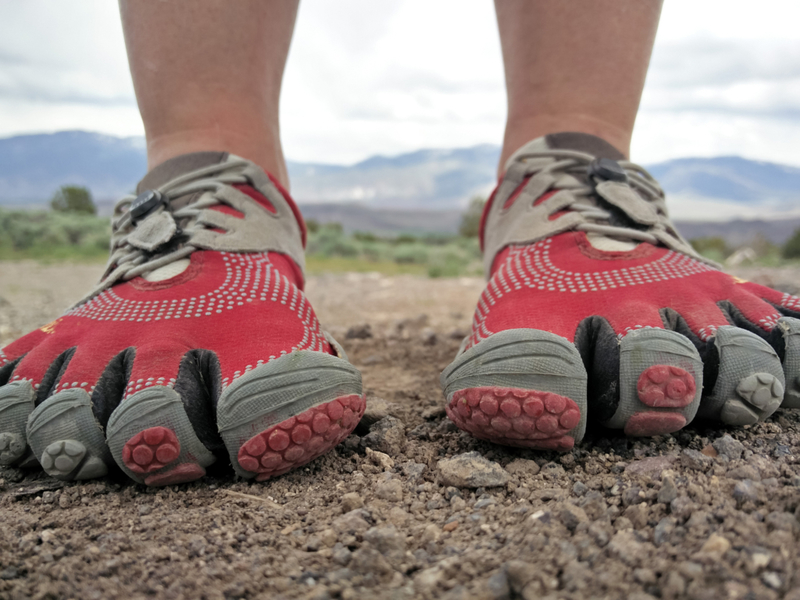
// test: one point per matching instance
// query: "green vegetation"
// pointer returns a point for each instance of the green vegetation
(791, 249)
(73, 199)
(471, 219)
(714, 248)
(51, 235)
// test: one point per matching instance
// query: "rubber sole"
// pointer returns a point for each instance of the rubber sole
(660, 383)
(285, 413)
(750, 384)
(790, 330)
(520, 387)
(275, 418)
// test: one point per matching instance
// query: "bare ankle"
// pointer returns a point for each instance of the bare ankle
(521, 130)
(257, 148)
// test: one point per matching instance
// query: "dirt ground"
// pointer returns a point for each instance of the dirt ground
(397, 511)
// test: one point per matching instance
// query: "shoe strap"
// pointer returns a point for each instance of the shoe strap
(616, 199)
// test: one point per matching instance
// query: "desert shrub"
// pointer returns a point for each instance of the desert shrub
(406, 253)
(73, 199)
(791, 249)
(471, 219)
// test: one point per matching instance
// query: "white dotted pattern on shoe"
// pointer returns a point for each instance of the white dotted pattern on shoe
(531, 267)
(249, 278)
(790, 302)
(3, 358)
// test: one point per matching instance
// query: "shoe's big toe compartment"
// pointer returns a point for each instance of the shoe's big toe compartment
(519, 387)
(288, 411)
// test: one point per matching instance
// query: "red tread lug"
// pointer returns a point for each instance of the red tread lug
(664, 386)
(647, 424)
(301, 438)
(516, 417)
(151, 450)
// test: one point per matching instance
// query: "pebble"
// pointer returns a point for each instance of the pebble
(388, 435)
(651, 466)
(682, 507)
(744, 472)
(727, 446)
(380, 459)
(668, 491)
(9, 573)
(451, 526)
(431, 533)
(522, 467)
(772, 579)
(361, 331)
(341, 555)
(367, 560)
(745, 491)
(694, 459)
(351, 501)
(428, 337)
(387, 541)
(412, 470)
(498, 586)
(579, 489)
(352, 522)
(377, 409)
(391, 490)
(472, 470)
(572, 516)
(716, 545)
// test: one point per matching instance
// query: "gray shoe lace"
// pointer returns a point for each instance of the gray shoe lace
(567, 170)
(128, 261)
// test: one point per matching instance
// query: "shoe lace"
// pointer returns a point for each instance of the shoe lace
(128, 261)
(572, 172)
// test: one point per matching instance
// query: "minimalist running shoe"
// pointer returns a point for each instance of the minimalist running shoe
(597, 309)
(197, 345)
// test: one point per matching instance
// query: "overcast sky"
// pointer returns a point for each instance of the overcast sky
(383, 77)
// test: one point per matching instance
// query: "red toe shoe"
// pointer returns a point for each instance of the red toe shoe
(597, 309)
(197, 345)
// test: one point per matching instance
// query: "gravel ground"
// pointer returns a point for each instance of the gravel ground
(408, 506)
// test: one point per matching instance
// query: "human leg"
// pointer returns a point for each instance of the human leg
(596, 309)
(208, 74)
(198, 344)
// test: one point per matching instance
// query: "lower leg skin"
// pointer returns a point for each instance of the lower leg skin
(207, 75)
(573, 65)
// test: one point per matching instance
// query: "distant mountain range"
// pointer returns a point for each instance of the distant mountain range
(32, 167)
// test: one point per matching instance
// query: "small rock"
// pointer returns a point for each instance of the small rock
(782, 521)
(782, 450)
(351, 522)
(668, 491)
(716, 545)
(772, 579)
(579, 489)
(412, 470)
(377, 409)
(391, 490)
(637, 515)
(745, 491)
(682, 507)
(64, 501)
(663, 531)
(522, 467)
(694, 459)
(359, 332)
(451, 526)
(471, 470)
(341, 555)
(48, 497)
(433, 413)
(572, 516)
(710, 451)
(351, 501)
(387, 541)
(431, 533)
(367, 560)
(387, 435)
(645, 576)
(498, 586)
(651, 466)
(9, 573)
(145, 509)
(727, 446)
(428, 337)
(519, 574)
(744, 472)
(384, 461)
(328, 537)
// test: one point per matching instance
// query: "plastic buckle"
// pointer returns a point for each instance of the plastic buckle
(606, 169)
(145, 203)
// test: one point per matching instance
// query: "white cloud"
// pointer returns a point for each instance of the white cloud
(369, 77)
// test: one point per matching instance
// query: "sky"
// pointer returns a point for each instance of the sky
(388, 77)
